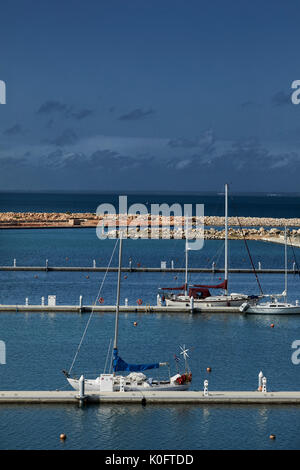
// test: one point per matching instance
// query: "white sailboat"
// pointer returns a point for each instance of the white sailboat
(136, 380)
(274, 306)
(200, 292)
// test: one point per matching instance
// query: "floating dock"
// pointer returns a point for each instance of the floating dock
(151, 397)
(112, 309)
(145, 269)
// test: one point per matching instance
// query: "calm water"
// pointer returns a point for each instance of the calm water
(236, 347)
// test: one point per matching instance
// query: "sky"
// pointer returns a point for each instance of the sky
(149, 95)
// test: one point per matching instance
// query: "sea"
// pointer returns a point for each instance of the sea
(236, 347)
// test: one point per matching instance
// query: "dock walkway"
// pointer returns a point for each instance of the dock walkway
(112, 308)
(150, 397)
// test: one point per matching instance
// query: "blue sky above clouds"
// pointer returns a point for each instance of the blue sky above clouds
(152, 95)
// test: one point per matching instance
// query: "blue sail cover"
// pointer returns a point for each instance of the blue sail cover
(120, 365)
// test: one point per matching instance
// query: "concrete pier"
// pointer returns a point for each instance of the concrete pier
(152, 397)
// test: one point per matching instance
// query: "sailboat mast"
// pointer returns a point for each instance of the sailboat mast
(186, 259)
(285, 264)
(118, 293)
(226, 237)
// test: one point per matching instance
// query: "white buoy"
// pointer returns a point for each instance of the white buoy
(264, 384)
(158, 300)
(260, 376)
(205, 390)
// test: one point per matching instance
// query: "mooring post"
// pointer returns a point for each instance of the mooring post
(126, 302)
(259, 265)
(205, 390)
(260, 376)
(192, 304)
(26, 301)
(213, 267)
(15, 262)
(80, 302)
(46, 265)
(172, 264)
(94, 263)
(294, 266)
(43, 301)
(130, 264)
(81, 388)
(264, 384)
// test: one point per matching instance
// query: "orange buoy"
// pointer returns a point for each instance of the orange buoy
(272, 325)
(272, 436)
(87, 277)
(135, 323)
(259, 389)
(208, 369)
(63, 437)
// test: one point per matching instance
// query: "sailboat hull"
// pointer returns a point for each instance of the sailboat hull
(213, 301)
(93, 385)
(274, 309)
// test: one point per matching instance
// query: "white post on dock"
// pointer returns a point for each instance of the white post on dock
(172, 264)
(260, 376)
(264, 384)
(294, 266)
(94, 263)
(80, 301)
(46, 265)
(126, 302)
(26, 301)
(213, 267)
(15, 262)
(43, 301)
(259, 265)
(81, 387)
(205, 390)
(158, 300)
